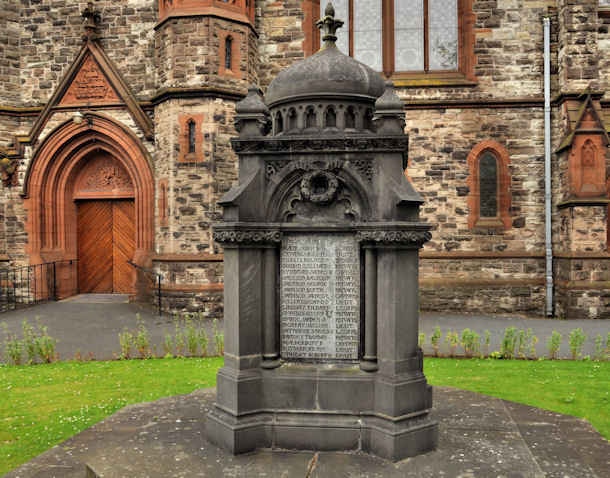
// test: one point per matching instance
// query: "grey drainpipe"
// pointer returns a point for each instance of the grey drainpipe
(548, 242)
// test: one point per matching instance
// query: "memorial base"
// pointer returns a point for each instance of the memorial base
(324, 407)
(320, 431)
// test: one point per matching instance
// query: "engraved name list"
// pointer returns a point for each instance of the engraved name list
(319, 297)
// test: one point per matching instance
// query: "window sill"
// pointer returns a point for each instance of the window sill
(489, 222)
(435, 79)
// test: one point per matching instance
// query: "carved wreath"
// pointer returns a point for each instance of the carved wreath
(319, 187)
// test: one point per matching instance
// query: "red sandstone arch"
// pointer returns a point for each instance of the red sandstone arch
(49, 188)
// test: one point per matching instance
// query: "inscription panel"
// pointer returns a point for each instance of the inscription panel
(319, 297)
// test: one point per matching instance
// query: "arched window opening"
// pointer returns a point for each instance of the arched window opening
(192, 134)
(587, 155)
(350, 118)
(279, 123)
(489, 181)
(368, 121)
(292, 119)
(310, 118)
(228, 52)
(331, 118)
(488, 186)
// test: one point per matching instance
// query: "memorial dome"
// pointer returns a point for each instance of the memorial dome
(327, 91)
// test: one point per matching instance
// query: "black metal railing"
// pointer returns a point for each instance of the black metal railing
(153, 277)
(25, 286)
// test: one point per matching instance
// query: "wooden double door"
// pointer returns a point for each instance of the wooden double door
(105, 241)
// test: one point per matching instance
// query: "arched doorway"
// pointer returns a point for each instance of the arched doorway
(89, 197)
(105, 231)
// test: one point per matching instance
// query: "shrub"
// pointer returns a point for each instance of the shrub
(421, 339)
(192, 341)
(577, 339)
(29, 341)
(599, 348)
(141, 339)
(553, 343)
(486, 343)
(179, 341)
(452, 341)
(126, 341)
(219, 339)
(470, 342)
(168, 345)
(526, 341)
(45, 344)
(509, 343)
(202, 337)
(434, 339)
(13, 348)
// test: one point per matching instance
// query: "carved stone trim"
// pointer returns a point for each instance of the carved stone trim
(319, 187)
(90, 85)
(292, 144)
(105, 174)
(234, 237)
(274, 167)
(417, 238)
(365, 167)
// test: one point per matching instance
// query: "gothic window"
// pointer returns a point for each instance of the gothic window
(228, 52)
(488, 186)
(310, 118)
(401, 37)
(279, 123)
(292, 120)
(588, 154)
(350, 118)
(331, 118)
(489, 182)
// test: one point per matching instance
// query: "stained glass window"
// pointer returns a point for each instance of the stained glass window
(400, 35)
(488, 189)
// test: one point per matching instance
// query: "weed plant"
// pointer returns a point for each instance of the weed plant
(577, 339)
(434, 340)
(219, 339)
(470, 342)
(126, 342)
(553, 343)
(509, 342)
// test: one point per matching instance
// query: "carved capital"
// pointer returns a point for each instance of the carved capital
(241, 237)
(8, 168)
(413, 238)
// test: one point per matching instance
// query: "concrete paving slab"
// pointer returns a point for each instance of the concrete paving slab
(166, 438)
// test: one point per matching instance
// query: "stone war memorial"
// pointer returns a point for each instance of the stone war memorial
(321, 236)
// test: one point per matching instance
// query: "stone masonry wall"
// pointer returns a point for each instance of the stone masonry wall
(578, 53)
(51, 38)
(188, 53)
(603, 44)
(9, 53)
(194, 188)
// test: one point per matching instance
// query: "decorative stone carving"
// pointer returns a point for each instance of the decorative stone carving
(319, 187)
(8, 168)
(273, 167)
(90, 86)
(106, 174)
(247, 237)
(331, 144)
(394, 237)
(365, 168)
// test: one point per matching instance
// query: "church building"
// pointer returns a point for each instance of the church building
(116, 119)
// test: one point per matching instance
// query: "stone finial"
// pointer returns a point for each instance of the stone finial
(389, 115)
(92, 18)
(252, 116)
(330, 25)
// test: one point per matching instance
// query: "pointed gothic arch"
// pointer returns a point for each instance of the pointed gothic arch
(50, 182)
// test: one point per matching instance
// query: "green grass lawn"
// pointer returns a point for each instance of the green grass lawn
(580, 389)
(42, 405)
